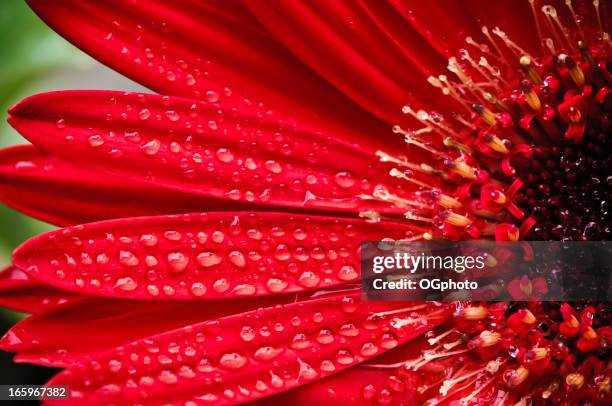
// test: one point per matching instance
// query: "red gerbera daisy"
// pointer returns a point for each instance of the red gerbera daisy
(273, 153)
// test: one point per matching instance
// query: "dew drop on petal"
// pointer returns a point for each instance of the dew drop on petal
(151, 147)
(212, 96)
(276, 285)
(172, 115)
(225, 155)
(144, 114)
(247, 333)
(347, 273)
(232, 361)
(208, 259)
(178, 262)
(344, 179)
(344, 357)
(167, 377)
(198, 289)
(96, 140)
(126, 284)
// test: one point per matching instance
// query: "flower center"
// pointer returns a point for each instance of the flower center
(525, 153)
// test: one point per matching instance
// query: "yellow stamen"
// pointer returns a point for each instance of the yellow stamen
(604, 387)
(527, 66)
(537, 354)
(552, 388)
(516, 377)
(475, 313)
(589, 334)
(527, 317)
(487, 115)
(457, 219)
(449, 202)
(531, 97)
(489, 338)
(497, 144)
(495, 101)
(575, 380)
(451, 143)
(463, 169)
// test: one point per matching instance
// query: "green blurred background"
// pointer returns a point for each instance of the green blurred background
(35, 59)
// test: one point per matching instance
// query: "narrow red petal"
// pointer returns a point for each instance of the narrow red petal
(366, 49)
(19, 292)
(63, 335)
(197, 148)
(31, 179)
(251, 355)
(202, 255)
(207, 50)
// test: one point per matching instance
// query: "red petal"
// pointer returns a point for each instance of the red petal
(366, 49)
(247, 356)
(361, 385)
(196, 148)
(204, 50)
(21, 293)
(81, 329)
(202, 255)
(30, 179)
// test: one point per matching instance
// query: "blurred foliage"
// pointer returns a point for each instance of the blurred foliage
(30, 51)
(34, 59)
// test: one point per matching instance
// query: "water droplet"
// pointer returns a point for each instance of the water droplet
(198, 289)
(151, 147)
(25, 166)
(225, 155)
(325, 336)
(306, 371)
(388, 341)
(96, 140)
(347, 273)
(244, 289)
(144, 114)
(148, 240)
(300, 341)
(109, 390)
(349, 330)
(126, 284)
(236, 258)
(212, 96)
(309, 279)
(190, 80)
(369, 349)
(327, 366)
(186, 372)
(344, 179)
(267, 353)
(60, 124)
(247, 333)
(273, 167)
(348, 305)
(114, 365)
(344, 357)
(128, 259)
(208, 259)
(221, 285)
(172, 115)
(178, 262)
(167, 377)
(232, 361)
(276, 285)
(300, 234)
